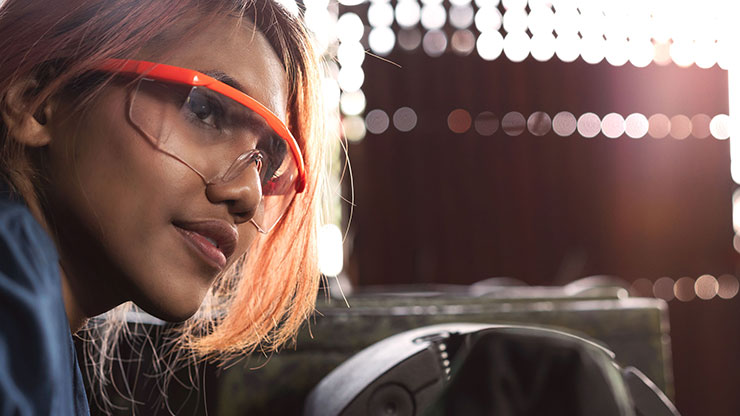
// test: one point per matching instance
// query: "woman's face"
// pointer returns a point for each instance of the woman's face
(130, 220)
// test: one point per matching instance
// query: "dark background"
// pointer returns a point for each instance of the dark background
(433, 206)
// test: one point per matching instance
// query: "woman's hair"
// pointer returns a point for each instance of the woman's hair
(264, 299)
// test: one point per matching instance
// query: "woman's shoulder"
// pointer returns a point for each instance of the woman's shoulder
(28, 258)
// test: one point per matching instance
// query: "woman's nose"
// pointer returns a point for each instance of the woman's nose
(242, 194)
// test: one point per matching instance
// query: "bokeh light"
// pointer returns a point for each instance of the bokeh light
(513, 123)
(680, 127)
(352, 103)
(720, 127)
(404, 119)
(663, 288)
(350, 27)
(593, 49)
(517, 46)
(330, 252)
(350, 78)
(515, 20)
(461, 17)
(433, 16)
(408, 13)
(543, 47)
(636, 125)
(409, 39)
(490, 45)
(683, 289)
(706, 287)
(381, 40)
(613, 125)
(463, 42)
(660, 126)
(589, 125)
(350, 54)
(459, 120)
(564, 124)
(486, 123)
(700, 126)
(354, 128)
(488, 19)
(641, 288)
(539, 123)
(728, 286)
(567, 47)
(434, 43)
(380, 14)
(376, 121)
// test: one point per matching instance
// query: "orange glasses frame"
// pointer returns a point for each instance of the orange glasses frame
(184, 76)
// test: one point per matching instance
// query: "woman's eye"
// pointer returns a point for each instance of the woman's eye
(204, 110)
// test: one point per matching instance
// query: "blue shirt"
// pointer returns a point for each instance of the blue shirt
(39, 373)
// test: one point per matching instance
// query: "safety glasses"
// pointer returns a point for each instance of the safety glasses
(216, 130)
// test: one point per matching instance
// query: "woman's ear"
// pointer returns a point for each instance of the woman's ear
(30, 129)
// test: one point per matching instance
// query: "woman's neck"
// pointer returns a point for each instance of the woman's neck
(75, 316)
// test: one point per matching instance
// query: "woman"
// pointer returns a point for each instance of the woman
(147, 156)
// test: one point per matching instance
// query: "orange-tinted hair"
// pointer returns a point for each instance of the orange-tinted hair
(264, 300)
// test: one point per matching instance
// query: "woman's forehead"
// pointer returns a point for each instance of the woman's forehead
(234, 49)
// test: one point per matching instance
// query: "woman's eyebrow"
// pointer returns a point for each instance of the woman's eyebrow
(225, 78)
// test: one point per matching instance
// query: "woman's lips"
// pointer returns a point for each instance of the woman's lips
(214, 240)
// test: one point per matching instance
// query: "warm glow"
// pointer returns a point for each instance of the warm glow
(350, 54)
(351, 78)
(354, 128)
(488, 19)
(352, 103)
(433, 16)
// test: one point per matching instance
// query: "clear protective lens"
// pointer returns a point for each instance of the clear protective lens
(219, 139)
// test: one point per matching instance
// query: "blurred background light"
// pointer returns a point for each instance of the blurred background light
(404, 119)
(462, 16)
(350, 78)
(700, 126)
(434, 43)
(433, 16)
(331, 254)
(564, 124)
(660, 126)
(641, 288)
(541, 21)
(408, 13)
(514, 4)
(513, 123)
(663, 288)
(593, 49)
(568, 46)
(515, 20)
(706, 287)
(682, 52)
(720, 127)
(517, 46)
(459, 121)
(488, 19)
(680, 127)
(350, 27)
(376, 121)
(463, 42)
(539, 123)
(350, 54)
(662, 54)
(613, 125)
(486, 123)
(352, 103)
(683, 289)
(728, 286)
(354, 128)
(636, 125)
(641, 52)
(380, 14)
(490, 45)
(589, 125)
(543, 46)
(409, 39)
(381, 40)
